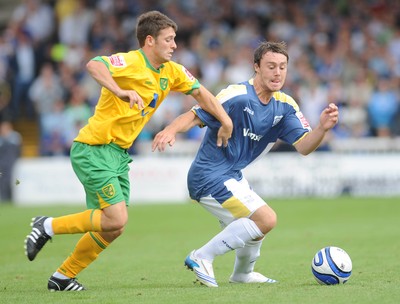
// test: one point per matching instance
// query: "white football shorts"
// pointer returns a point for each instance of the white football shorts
(242, 201)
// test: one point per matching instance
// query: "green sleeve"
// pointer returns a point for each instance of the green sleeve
(195, 86)
(100, 58)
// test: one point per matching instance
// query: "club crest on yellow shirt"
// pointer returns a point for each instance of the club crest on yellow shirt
(109, 190)
(163, 83)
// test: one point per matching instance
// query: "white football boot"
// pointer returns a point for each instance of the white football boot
(202, 268)
(252, 277)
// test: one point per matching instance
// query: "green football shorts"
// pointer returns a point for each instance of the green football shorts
(103, 172)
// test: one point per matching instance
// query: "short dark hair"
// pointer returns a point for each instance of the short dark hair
(151, 23)
(274, 47)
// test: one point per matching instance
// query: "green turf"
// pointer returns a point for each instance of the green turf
(146, 264)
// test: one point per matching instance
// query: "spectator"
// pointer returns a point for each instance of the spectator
(314, 94)
(74, 29)
(52, 136)
(213, 67)
(10, 151)
(383, 107)
(239, 67)
(45, 90)
(37, 18)
(348, 42)
(23, 65)
(77, 113)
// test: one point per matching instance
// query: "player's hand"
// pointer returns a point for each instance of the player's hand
(132, 97)
(161, 140)
(329, 116)
(224, 133)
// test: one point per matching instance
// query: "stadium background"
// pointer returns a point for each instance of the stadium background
(347, 52)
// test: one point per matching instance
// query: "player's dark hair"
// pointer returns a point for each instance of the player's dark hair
(151, 23)
(274, 47)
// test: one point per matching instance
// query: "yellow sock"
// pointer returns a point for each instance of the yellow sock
(89, 220)
(86, 251)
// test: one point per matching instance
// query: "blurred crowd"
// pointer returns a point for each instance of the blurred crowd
(346, 52)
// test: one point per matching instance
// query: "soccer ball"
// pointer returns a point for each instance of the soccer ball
(331, 265)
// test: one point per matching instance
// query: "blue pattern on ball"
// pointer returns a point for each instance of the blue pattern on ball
(325, 278)
(335, 268)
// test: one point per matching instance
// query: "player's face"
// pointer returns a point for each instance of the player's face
(165, 45)
(272, 71)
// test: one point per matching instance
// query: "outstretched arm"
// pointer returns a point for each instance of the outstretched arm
(98, 70)
(328, 119)
(182, 123)
(210, 103)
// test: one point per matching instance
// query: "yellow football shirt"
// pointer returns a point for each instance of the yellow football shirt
(113, 121)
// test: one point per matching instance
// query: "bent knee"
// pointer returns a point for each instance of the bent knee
(116, 233)
(111, 235)
(265, 219)
(268, 223)
(272, 220)
(114, 217)
(114, 223)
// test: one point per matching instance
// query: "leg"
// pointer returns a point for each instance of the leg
(89, 247)
(246, 258)
(110, 219)
(246, 217)
(5, 184)
(245, 261)
(106, 197)
(93, 243)
(265, 219)
(234, 236)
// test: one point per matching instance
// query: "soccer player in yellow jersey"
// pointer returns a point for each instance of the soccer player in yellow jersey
(133, 86)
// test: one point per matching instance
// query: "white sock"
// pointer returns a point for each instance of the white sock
(48, 228)
(234, 236)
(246, 257)
(60, 276)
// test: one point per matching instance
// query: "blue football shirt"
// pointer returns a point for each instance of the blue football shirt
(257, 127)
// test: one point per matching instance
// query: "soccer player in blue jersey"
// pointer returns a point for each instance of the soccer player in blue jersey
(262, 114)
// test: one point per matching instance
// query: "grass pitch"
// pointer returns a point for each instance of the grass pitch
(145, 265)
